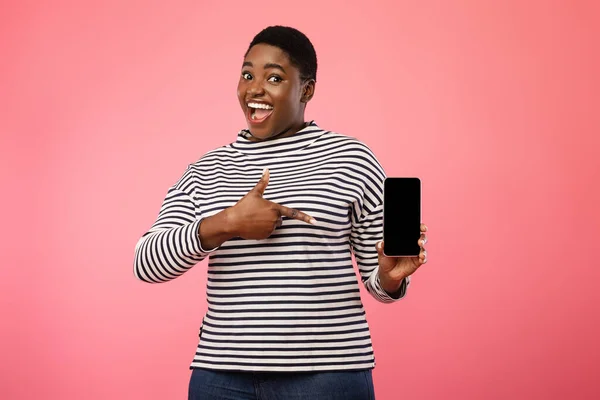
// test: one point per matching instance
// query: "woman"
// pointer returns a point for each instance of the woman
(279, 212)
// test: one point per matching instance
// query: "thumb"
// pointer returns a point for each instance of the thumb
(386, 263)
(263, 182)
(379, 247)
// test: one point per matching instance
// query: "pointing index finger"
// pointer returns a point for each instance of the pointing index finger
(296, 214)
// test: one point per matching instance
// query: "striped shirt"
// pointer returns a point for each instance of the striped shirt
(290, 302)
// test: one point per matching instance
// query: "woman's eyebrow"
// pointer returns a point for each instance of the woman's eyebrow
(273, 65)
(266, 66)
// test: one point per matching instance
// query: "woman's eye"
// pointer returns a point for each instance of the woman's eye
(274, 78)
(246, 75)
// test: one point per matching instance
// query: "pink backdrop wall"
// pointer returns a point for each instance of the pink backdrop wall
(493, 104)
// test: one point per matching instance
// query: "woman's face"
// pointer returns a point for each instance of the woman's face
(271, 93)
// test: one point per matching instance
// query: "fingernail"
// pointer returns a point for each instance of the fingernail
(313, 221)
(264, 171)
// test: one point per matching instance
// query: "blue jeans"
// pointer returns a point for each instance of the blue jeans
(225, 385)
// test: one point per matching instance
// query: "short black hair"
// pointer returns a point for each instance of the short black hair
(294, 43)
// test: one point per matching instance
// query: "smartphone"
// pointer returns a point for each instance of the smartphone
(401, 217)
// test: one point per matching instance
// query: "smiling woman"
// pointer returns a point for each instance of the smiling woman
(274, 86)
(279, 213)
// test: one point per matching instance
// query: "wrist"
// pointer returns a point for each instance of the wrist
(215, 230)
(229, 222)
(390, 285)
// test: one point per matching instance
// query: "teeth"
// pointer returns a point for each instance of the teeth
(260, 105)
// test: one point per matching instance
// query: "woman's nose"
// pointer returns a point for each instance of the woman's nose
(255, 87)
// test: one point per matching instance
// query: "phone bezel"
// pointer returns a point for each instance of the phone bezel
(383, 206)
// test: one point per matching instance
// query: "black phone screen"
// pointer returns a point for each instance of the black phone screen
(401, 216)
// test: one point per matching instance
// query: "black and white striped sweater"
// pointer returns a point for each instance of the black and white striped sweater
(290, 302)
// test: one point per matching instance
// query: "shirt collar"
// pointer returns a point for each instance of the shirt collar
(278, 146)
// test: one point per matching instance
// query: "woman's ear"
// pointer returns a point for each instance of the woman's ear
(308, 90)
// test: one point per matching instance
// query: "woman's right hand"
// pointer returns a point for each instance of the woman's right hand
(254, 217)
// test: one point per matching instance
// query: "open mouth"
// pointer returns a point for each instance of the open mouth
(259, 112)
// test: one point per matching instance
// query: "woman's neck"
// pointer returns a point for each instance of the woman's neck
(286, 133)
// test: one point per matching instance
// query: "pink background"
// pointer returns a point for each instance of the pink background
(493, 104)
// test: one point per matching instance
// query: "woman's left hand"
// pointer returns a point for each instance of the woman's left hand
(392, 270)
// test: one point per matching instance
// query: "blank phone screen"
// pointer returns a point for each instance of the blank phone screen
(401, 216)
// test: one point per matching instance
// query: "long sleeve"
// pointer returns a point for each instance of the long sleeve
(172, 245)
(367, 229)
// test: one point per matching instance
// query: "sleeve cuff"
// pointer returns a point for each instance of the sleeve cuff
(380, 294)
(195, 232)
